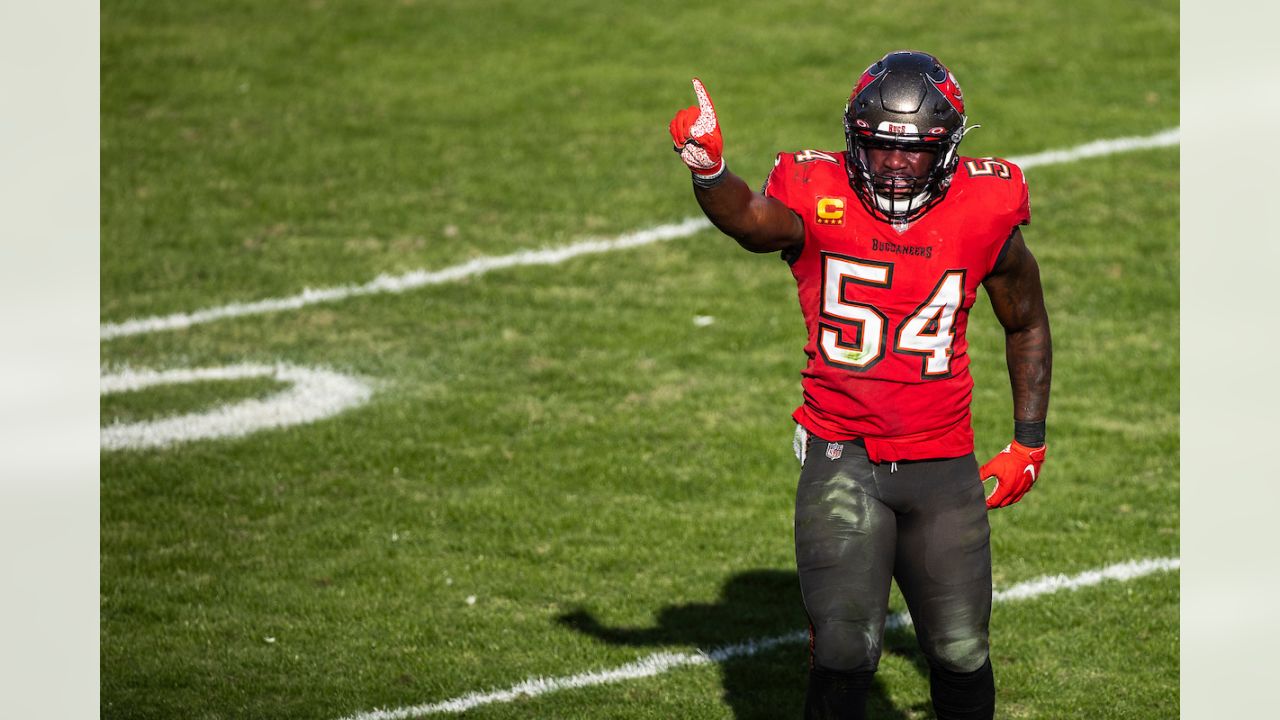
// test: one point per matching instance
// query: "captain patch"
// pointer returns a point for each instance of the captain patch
(830, 210)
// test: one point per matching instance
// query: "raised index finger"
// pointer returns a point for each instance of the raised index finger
(706, 111)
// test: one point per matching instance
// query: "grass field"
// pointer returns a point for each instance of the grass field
(559, 471)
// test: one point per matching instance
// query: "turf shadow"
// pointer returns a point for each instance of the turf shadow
(753, 605)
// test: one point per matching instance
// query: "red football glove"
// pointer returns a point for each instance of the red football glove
(1015, 469)
(696, 134)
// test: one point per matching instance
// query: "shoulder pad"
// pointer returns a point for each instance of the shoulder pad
(805, 156)
(1003, 186)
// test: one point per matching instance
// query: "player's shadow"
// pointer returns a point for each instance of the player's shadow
(764, 680)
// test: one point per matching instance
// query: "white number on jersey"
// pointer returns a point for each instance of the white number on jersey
(868, 321)
(929, 331)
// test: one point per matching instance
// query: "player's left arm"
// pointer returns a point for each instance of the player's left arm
(1018, 301)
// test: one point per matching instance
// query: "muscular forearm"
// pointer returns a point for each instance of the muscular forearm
(1029, 353)
(728, 207)
(758, 224)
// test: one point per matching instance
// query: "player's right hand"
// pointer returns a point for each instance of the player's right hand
(696, 134)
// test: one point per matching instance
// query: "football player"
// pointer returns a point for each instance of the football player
(888, 241)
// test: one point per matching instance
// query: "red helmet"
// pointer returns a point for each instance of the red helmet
(907, 100)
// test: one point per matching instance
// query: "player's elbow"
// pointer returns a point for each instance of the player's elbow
(768, 231)
(756, 243)
(1031, 325)
(745, 229)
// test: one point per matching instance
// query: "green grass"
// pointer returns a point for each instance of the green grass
(557, 439)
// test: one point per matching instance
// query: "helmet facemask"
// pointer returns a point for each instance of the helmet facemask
(899, 197)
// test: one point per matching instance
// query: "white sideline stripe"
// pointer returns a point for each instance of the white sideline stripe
(549, 256)
(314, 394)
(661, 662)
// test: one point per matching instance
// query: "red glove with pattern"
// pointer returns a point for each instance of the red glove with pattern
(696, 134)
(1015, 469)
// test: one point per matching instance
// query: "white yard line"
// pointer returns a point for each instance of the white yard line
(661, 662)
(408, 281)
(314, 394)
(1098, 148)
(549, 256)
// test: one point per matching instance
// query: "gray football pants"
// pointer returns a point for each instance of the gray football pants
(923, 523)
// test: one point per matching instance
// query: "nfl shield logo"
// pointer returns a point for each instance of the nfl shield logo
(834, 451)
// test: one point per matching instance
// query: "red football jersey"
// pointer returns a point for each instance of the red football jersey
(886, 306)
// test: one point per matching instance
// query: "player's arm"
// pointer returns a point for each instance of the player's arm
(1018, 301)
(757, 222)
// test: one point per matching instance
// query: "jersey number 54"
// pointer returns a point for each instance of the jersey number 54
(929, 331)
